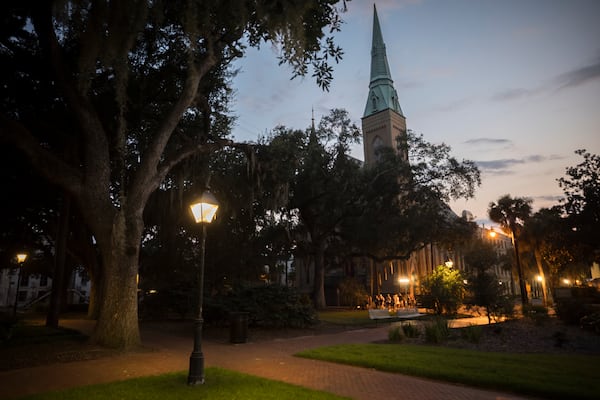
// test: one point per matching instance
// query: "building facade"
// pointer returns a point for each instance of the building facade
(30, 290)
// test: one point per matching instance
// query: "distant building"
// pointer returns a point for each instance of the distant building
(35, 288)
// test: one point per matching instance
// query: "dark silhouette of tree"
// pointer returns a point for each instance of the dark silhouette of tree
(106, 98)
(581, 187)
(480, 259)
(312, 177)
(404, 202)
(511, 214)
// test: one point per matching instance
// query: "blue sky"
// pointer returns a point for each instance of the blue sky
(513, 85)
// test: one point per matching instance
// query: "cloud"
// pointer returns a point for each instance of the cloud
(514, 94)
(504, 166)
(578, 76)
(456, 105)
(548, 198)
(569, 79)
(488, 141)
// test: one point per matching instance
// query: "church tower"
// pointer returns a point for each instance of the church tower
(382, 121)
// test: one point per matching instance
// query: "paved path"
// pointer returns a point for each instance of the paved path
(270, 359)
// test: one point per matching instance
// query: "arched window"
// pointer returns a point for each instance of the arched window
(376, 145)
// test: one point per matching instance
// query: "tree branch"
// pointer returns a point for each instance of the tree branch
(46, 163)
(96, 149)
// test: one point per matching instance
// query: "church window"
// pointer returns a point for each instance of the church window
(376, 145)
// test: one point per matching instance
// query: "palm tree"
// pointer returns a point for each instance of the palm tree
(511, 214)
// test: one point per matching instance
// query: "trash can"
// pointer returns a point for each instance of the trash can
(238, 327)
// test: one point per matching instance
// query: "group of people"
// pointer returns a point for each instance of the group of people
(392, 302)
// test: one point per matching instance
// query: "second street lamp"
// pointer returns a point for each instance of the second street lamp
(21, 257)
(204, 210)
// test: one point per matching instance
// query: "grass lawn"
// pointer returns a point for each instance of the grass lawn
(545, 375)
(220, 385)
(346, 317)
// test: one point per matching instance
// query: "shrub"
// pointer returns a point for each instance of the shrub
(472, 333)
(537, 313)
(570, 311)
(271, 306)
(505, 307)
(410, 330)
(446, 288)
(437, 330)
(396, 333)
(168, 302)
(352, 293)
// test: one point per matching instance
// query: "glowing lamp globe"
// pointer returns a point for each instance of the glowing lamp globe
(205, 207)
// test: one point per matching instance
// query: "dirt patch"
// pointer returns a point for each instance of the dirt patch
(522, 336)
(14, 357)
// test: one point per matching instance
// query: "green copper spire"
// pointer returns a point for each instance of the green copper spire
(382, 94)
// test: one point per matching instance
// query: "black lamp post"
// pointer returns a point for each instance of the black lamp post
(204, 210)
(21, 257)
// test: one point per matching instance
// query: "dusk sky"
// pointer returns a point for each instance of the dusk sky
(511, 85)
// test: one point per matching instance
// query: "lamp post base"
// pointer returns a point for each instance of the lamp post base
(196, 373)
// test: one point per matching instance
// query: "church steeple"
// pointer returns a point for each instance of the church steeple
(382, 94)
(383, 122)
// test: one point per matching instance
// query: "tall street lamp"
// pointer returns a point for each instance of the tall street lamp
(21, 257)
(204, 210)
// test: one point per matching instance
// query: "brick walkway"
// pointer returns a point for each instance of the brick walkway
(270, 359)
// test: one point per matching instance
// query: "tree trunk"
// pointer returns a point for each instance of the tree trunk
(539, 262)
(58, 276)
(522, 286)
(95, 284)
(117, 324)
(319, 288)
(92, 262)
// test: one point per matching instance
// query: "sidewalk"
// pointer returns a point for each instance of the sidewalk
(271, 359)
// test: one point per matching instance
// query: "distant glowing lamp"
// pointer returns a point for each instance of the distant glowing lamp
(21, 257)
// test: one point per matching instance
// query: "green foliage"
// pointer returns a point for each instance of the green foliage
(271, 306)
(400, 331)
(352, 293)
(483, 286)
(446, 289)
(410, 330)
(109, 114)
(472, 333)
(437, 330)
(396, 333)
(309, 175)
(406, 200)
(581, 187)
